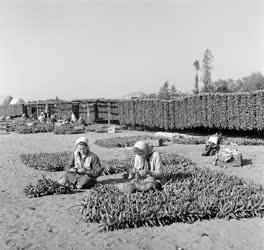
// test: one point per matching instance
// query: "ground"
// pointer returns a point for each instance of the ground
(54, 222)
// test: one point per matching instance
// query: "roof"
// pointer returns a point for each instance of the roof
(134, 95)
(17, 101)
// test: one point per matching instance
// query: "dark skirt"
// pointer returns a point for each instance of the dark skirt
(80, 180)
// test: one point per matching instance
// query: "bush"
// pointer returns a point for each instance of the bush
(34, 128)
(69, 129)
(119, 142)
(45, 187)
(47, 161)
(192, 194)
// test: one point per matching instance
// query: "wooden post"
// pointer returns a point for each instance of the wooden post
(37, 110)
(109, 115)
(88, 112)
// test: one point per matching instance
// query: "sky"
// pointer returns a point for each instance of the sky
(94, 48)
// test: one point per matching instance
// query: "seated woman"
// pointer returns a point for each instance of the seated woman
(148, 167)
(83, 168)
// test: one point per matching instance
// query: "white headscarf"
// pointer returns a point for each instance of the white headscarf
(144, 146)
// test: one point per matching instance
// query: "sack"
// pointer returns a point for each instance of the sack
(147, 184)
(229, 158)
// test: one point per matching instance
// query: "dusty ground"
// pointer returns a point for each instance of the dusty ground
(54, 223)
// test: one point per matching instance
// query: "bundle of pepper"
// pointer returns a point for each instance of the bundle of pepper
(196, 194)
(45, 187)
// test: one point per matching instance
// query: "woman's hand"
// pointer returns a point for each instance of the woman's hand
(73, 170)
(81, 171)
(143, 173)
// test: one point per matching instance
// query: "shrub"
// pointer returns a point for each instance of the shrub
(192, 194)
(47, 161)
(119, 142)
(45, 187)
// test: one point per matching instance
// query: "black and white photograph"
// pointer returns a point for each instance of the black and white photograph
(135, 125)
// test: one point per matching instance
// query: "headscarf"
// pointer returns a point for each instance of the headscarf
(82, 139)
(144, 146)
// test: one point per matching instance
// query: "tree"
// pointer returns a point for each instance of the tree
(196, 79)
(164, 92)
(224, 86)
(174, 93)
(253, 82)
(207, 70)
(152, 96)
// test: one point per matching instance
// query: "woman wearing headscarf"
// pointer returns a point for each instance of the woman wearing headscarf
(83, 168)
(148, 165)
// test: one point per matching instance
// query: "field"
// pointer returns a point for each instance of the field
(54, 222)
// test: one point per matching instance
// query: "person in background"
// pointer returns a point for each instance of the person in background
(42, 117)
(23, 117)
(83, 168)
(53, 118)
(73, 118)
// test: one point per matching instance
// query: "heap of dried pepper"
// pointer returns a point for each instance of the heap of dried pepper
(45, 187)
(192, 194)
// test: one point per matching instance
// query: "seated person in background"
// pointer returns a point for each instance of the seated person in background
(148, 165)
(42, 117)
(53, 118)
(23, 117)
(73, 118)
(84, 167)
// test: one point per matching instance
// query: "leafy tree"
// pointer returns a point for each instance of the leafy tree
(224, 86)
(196, 79)
(253, 82)
(152, 96)
(174, 93)
(164, 92)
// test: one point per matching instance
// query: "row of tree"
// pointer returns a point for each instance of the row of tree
(203, 82)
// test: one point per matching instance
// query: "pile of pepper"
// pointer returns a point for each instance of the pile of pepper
(47, 161)
(119, 142)
(45, 187)
(191, 194)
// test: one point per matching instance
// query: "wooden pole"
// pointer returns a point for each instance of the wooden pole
(109, 114)
(37, 109)
(88, 113)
